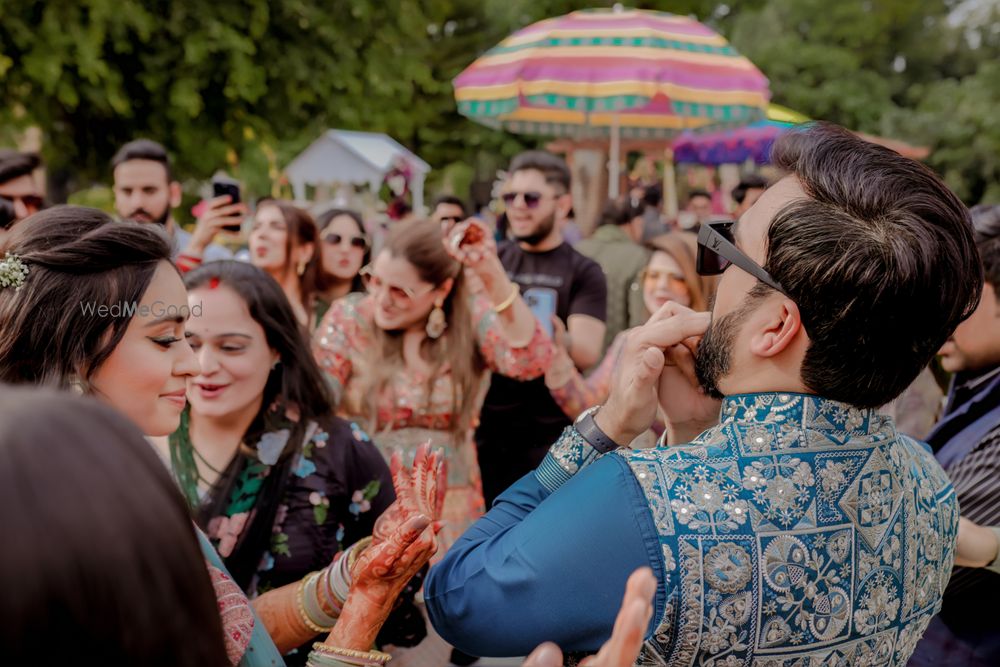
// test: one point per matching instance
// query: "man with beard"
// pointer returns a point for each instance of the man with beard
(519, 420)
(145, 191)
(800, 528)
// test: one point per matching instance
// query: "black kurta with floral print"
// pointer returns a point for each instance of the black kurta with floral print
(336, 485)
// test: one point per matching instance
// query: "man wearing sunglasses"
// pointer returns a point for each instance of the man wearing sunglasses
(18, 187)
(786, 519)
(519, 420)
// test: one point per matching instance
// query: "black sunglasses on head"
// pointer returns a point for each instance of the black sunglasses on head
(717, 250)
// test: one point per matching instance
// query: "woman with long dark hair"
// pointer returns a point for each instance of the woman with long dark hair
(409, 360)
(344, 249)
(283, 242)
(96, 306)
(277, 481)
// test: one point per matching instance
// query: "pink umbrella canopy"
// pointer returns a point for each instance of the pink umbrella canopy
(646, 73)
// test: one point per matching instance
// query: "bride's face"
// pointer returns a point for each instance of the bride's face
(146, 376)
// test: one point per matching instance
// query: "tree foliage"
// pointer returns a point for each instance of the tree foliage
(245, 84)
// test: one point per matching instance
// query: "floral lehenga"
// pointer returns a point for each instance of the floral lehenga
(409, 414)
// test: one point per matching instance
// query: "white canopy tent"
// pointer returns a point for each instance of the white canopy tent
(343, 156)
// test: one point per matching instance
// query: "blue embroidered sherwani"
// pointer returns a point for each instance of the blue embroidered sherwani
(799, 531)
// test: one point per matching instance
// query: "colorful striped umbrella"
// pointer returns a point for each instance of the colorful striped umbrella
(754, 141)
(618, 72)
(736, 145)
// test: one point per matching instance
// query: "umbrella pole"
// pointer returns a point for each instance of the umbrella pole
(615, 158)
(669, 185)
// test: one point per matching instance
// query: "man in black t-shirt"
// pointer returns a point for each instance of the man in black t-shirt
(520, 420)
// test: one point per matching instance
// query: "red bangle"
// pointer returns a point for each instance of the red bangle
(187, 262)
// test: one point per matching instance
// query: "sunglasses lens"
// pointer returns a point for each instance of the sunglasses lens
(333, 239)
(508, 197)
(531, 199)
(709, 262)
(358, 242)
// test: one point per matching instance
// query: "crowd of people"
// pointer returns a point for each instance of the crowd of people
(339, 449)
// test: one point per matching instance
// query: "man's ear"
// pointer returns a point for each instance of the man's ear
(175, 194)
(779, 330)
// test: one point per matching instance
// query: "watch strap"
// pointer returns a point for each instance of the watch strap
(588, 429)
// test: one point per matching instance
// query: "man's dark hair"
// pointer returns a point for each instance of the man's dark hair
(553, 167)
(879, 257)
(453, 200)
(749, 182)
(653, 196)
(143, 149)
(986, 225)
(698, 193)
(618, 213)
(14, 164)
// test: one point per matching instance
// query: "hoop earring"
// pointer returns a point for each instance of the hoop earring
(436, 323)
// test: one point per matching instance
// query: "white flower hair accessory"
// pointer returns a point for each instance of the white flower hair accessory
(12, 271)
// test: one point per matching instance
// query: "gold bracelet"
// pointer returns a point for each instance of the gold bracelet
(369, 656)
(500, 307)
(356, 550)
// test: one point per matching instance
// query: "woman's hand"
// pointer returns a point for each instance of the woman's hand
(622, 649)
(404, 539)
(470, 242)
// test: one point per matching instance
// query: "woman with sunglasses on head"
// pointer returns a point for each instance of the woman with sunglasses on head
(96, 306)
(669, 276)
(409, 360)
(344, 250)
(283, 242)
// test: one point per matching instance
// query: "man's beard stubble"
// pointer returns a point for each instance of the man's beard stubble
(161, 220)
(542, 230)
(714, 358)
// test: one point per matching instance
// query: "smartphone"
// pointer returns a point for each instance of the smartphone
(223, 186)
(542, 302)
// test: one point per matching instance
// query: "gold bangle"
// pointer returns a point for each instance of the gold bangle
(356, 550)
(369, 656)
(500, 307)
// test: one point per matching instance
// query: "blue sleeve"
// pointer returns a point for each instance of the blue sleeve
(542, 567)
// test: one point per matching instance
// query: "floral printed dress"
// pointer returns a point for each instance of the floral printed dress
(409, 414)
(337, 486)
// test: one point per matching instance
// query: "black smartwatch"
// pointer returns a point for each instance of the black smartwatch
(592, 433)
